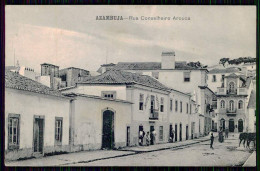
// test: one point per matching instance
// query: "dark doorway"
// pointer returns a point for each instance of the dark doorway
(38, 134)
(180, 132)
(151, 135)
(222, 124)
(176, 131)
(170, 133)
(231, 125)
(128, 136)
(108, 130)
(141, 128)
(187, 132)
(240, 125)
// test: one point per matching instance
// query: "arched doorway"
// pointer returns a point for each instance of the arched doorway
(222, 124)
(108, 129)
(240, 125)
(180, 132)
(231, 125)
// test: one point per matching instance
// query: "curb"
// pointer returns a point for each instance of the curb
(135, 153)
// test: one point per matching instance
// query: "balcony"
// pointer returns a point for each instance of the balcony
(154, 115)
(221, 91)
(231, 112)
(242, 91)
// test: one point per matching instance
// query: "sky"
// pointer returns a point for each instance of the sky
(70, 36)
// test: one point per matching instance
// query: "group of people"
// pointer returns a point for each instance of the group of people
(149, 138)
(220, 134)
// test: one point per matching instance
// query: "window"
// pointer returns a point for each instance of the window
(240, 104)
(152, 104)
(13, 131)
(161, 133)
(181, 106)
(155, 75)
(171, 104)
(187, 108)
(58, 130)
(231, 105)
(232, 87)
(190, 108)
(222, 104)
(141, 102)
(176, 105)
(161, 107)
(214, 79)
(222, 78)
(186, 76)
(109, 94)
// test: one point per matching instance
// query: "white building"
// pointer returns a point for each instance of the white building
(150, 102)
(36, 117)
(178, 76)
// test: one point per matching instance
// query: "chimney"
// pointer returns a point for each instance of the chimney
(168, 60)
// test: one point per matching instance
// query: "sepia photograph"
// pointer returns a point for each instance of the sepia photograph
(130, 85)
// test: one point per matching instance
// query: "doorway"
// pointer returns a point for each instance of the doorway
(240, 125)
(187, 132)
(108, 130)
(231, 125)
(170, 133)
(128, 136)
(180, 132)
(38, 132)
(151, 135)
(176, 131)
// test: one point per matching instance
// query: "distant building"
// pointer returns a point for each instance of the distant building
(22, 70)
(232, 99)
(178, 76)
(216, 76)
(36, 117)
(105, 67)
(50, 76)
(70, 76)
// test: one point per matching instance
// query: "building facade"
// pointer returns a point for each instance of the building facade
(232, 99)
(36, 117)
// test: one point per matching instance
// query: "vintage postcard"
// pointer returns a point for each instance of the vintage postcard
(130, 85)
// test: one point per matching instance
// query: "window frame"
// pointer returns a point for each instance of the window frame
(106, 93)
(185, 78)
(171, 104)
(176, 105)
(222, 105)
(12, 146)
(141, 101)
(187, 108)
(160, 133)
(240, 105)
(162, 105)
(180, 106)
(59, 140)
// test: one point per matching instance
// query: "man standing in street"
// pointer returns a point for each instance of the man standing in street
(211, 141)
(226, 133)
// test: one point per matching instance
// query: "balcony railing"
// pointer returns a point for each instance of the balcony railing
(221, 90)
(154, 114)
(231, 112)
(242, 91)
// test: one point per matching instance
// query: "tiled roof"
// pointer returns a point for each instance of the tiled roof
(10, 68)
(115, 76)
(64, 69)
(19, 82)
(151, 66)
(226, 70)
(252, 100)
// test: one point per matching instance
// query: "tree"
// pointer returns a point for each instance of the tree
(223, 61)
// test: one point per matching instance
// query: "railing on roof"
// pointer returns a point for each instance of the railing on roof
(221, 91)
(242, 91)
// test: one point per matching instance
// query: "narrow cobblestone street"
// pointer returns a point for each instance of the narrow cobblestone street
(186, 153)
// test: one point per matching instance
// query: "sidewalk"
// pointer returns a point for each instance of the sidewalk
(90, 156)
(164, 146)
(251, 161)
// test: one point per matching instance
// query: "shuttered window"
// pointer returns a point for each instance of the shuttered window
(13, 131)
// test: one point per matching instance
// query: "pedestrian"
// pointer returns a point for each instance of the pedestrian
(211, 141)
(226, 133)
(141, 137)
(148, 138)
(154, 135)
(173, 135)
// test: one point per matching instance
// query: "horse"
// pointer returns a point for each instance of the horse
(247, 137)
